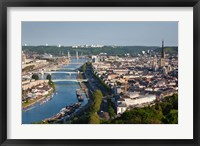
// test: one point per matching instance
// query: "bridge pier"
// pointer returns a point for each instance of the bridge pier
(48, 73)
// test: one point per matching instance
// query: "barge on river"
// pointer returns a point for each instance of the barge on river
(64, 112)
(79, 95)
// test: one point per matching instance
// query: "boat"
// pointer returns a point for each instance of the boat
(62, 109)
(79, 95)
(64, 112)
(77, 105)
(46, 100)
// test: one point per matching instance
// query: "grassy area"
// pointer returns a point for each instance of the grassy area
(52, 85)
(28, 103)
(28, 68)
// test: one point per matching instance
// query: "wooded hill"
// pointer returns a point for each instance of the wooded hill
(110, 50)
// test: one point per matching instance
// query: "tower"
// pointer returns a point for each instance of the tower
(68, 54)
(23, 58)
(76, 54)
(162, 59)
(154, 63)
(163, 51)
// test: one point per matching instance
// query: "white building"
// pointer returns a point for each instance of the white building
(47, 56)
(23, 58)
(133, 95)
(121, 108)
(117, 90)
(140, 100)
(126, 101)
(95, 59)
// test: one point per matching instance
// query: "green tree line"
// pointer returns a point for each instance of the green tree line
(165, 112)
(97, 99)
(107, 87)
(51, 83)
(117, 50)
(91, 116)
(85, 66)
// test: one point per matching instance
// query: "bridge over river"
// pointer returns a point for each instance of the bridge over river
(70, 80)
(64, 69)
(65, 93)
(62, 72)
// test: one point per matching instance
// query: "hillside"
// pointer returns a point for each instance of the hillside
(168, 50)
(118, 50)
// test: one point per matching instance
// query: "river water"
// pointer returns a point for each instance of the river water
(65, 94)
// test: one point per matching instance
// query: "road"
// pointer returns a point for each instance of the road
(49, 65)
(96, 85)
(38, 68)
(94, 82)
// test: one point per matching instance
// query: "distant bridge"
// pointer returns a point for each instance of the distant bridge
(64, 69)
(76, 63)
(61, 72)
(70, 80)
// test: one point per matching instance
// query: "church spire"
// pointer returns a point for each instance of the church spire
(163, 51)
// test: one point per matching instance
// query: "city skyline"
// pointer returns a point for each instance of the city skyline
(102, 33)
(133, 82)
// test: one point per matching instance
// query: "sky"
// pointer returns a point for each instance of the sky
(129, 33)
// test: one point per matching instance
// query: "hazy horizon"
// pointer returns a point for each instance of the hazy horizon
(101, 44)
(108, 33)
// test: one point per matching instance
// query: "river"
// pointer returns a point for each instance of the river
(64, 95)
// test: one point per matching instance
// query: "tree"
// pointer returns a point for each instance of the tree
(118, 83)
(83, 67)
(111, 111)
(51, 84)
(93, 116)
(94, 119)
(97, 100)
(98, 94)
(171, 118)
(174, 101)
(35, 76)
(49, 77)
(146, 115)
(166, 107)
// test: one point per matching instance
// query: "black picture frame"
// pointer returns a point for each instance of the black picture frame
(4, 4)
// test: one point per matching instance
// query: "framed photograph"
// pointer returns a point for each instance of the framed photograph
(99, 72)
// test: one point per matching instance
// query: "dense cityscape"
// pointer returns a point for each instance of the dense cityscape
(103, 88)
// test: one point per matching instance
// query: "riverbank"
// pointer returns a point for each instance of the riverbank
(34, 101)
(83, 85)
(84, 109)
(65, 96)
(66, 117)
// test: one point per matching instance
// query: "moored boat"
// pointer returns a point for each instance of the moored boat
(64, 112)
(79, 95)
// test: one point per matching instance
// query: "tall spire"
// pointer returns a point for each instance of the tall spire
(163, 51)
(76, 54)
(68, 54)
